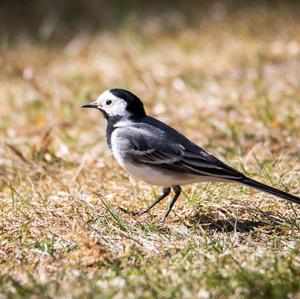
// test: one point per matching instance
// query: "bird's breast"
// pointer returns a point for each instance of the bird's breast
(118, 147)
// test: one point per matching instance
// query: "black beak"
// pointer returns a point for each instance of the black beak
(95, 105)
(90, 105)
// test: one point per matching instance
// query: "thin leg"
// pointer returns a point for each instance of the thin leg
(166, 192)
(177, 190)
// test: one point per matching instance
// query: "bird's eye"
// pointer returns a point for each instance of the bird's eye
(108, 102)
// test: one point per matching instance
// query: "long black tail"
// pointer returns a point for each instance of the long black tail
(271, 190)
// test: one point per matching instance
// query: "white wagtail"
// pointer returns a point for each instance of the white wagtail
(159, 155)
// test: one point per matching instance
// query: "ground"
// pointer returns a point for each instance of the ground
(230, 83)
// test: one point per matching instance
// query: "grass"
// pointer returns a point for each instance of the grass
(231, 85)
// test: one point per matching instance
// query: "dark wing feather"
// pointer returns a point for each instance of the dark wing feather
(149, 145)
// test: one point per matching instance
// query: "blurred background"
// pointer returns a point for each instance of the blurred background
(59, 21)
(53, 21)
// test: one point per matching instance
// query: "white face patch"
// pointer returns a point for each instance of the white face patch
(112, 105)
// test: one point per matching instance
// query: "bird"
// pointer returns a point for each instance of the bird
(158, 154)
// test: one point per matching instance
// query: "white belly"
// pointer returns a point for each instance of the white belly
(156, 177)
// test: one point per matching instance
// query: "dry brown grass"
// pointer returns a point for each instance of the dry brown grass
(232, 86)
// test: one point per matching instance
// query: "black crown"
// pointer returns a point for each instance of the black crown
(134, 104)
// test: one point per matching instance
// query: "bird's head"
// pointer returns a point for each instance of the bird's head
(118, 103)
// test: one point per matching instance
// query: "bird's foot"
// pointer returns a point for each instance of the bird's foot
(164, 220)
(138, 213)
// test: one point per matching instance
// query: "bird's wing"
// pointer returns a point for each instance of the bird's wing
(149, 145)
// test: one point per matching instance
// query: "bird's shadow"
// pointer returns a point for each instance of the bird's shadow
(228, 225)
